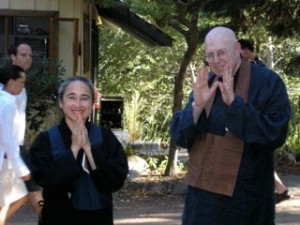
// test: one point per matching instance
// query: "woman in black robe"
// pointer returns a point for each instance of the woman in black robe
(78, 164)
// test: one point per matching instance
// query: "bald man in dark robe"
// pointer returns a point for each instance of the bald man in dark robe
(236, 117)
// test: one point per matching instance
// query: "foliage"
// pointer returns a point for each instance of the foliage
(152, 163)
(128, 149)
(144, 76)
(280, 17)
(131, 113)
(159, 163)
(41, 86)
(190, 20)
(293, 139)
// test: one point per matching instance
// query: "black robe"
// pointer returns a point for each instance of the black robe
(56, 177)
(262, 124)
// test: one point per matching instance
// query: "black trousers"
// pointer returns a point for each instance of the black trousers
(30, 184)
(71, 216)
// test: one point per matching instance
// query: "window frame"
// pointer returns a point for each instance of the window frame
(52, 17)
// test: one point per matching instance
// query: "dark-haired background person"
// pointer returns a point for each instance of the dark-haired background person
(247, 51)
(231, 126)
(13, 170)
(21, 55)
(78, 163)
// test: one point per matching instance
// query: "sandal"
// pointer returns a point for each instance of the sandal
(279, 197)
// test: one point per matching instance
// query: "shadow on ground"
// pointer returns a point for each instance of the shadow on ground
(143, 207)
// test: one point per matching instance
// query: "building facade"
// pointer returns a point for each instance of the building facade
(60, 30)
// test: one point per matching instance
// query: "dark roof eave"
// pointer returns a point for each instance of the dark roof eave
(136, 26)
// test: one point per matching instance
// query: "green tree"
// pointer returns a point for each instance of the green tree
(193, 18)
(41, 87)
(126, 66)
(188, 18)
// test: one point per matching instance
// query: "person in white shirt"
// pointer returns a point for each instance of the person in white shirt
(21, 55)
(13, 170)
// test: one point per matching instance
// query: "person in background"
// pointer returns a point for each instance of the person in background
(247, 51)
(21, 55)
(282, 193)
(231, 126)
(77, 163)
(13, 170)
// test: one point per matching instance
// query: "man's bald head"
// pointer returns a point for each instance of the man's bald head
(222, 50)
(222, 34)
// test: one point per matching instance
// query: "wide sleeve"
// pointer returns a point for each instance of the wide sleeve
(111, 162)
(183, 129)
(21, 100)
(263, 120)
(49, 172)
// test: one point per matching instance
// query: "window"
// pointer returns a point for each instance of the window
(39, 29)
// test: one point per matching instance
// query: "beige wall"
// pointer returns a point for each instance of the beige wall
(30, 4)
(72, 9)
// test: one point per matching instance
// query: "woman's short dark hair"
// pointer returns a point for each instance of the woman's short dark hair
(10, 72)
(246, 44)
(67, 82)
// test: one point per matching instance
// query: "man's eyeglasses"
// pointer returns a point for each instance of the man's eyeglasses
(209, 57)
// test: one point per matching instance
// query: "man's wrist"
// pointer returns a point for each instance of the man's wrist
(197, 109)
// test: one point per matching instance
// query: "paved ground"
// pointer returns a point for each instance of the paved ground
(167, 210)
(288, 212)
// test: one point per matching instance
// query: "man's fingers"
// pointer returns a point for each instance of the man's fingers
(202, 74)
(193, 76)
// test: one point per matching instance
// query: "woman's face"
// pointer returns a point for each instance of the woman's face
(15, 86)
(77, 102)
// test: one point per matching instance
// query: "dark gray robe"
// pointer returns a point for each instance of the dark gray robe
(262, 123)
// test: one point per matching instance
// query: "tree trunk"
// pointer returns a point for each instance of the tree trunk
(270, 55)
(172, 168)
(192, 41)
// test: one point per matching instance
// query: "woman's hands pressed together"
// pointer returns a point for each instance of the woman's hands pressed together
(80, 138)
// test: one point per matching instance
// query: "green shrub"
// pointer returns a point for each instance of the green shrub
(41, 86)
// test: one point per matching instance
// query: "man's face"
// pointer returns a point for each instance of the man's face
(23, 57)
(247, 54)
(221, 54)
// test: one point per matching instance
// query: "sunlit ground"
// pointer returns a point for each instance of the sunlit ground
(152, 219)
